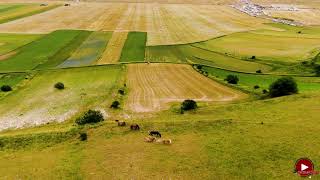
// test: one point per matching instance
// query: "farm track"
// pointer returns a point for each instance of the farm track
(165, 23)
(153, 86)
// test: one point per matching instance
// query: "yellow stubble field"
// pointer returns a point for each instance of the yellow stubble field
(165, 23)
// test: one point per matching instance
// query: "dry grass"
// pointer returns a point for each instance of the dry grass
(304, 16)
(153, 86)
(113, 51)
(165, 23)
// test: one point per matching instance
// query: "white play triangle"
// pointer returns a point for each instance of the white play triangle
(304, 167)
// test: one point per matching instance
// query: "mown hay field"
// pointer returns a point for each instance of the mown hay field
(90, 51)
(304, 16)
(10, 12)
(112, 53)
(164, 23)
(40, 102)
(154, 86)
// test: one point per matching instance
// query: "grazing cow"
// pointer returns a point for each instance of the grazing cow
(135, 127)
(154, 133)
(121, 123)
(149, 139)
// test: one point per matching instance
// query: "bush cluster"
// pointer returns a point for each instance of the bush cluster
(283, 86)
(232, 79)
(59, 85)
(91, 116)
(6, 88)
(188, 105)
(115, 105)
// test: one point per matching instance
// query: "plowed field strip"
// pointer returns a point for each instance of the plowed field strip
(154, 86)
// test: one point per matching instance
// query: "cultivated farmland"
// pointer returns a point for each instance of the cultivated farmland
(165, 23)
(154, 86)
(90, 50)
(134, 48)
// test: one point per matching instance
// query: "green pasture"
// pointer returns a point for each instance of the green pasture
(134, 47)
(84, 88)
(39, 51)
(267, 45)
(89, 51)
(191, 53)
(215, 142)
(248, 81)
(66, 51)
(10, 42)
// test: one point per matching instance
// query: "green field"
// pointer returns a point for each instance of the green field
(39, 51)
(248, 81)
(66, 51)
(10, 42)
(221, 141)
(286, 47)
(134, 47)
(89, 51)
(40, 102)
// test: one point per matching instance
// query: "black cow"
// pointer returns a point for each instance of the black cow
(154, 133)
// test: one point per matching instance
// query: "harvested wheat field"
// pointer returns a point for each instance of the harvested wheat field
(113, 51)
(153, 86)
(165, 23)
(304, 16)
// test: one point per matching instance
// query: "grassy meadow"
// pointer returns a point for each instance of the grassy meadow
(200, 149)
(38, 52)
(236, 132)
(134, 47)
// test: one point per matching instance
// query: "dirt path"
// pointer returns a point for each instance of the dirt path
(153, 86)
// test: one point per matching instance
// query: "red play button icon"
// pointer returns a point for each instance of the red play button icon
(304, 167)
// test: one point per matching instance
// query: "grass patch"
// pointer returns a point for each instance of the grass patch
(90, 50)
(248, 81)
(40, 102)
(65, 52)
(10, 42)
(134, 47)
(39, 51)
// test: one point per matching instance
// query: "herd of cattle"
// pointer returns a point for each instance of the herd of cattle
(154, 136)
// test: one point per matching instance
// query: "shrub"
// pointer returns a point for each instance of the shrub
(232, 79)
(6, 88)
(59, 85)
(317, 70)
(83, 136)
(121, 91)
(259, 71)
(90, 117)
(115, 105)
(188, 105)
(264, 91)
(199, 67)
(283, 86)
(253, 57)
(256, 87)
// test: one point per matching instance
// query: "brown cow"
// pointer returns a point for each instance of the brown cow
(122, 123)
(135, 127)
